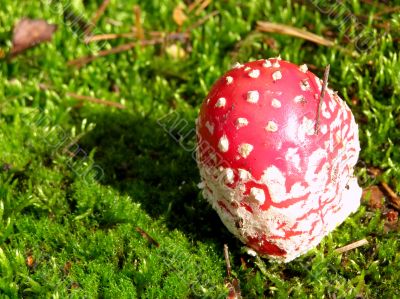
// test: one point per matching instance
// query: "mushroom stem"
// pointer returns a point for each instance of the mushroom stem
(321, 98)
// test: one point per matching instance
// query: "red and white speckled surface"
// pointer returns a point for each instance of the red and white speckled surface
(279, 186)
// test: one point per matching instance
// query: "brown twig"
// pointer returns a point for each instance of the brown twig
(95, 100)
(138, 22)
(194, 5)
(232, 283)
(100, 11)
(322, 96)
(108, 36)
(374, 171)
(394, 198)
(293, 31)
(202, 7)
(79, 62)
(202, 21)
(351, 246)
(387, 11)
(227, 261)
(45, 86)
(147, 236)
(111, 36)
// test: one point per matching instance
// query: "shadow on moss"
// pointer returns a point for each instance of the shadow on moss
(142, 160)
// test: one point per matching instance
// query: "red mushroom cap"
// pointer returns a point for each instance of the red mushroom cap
(277, 183)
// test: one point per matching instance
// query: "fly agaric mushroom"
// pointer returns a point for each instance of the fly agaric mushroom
(279, 181)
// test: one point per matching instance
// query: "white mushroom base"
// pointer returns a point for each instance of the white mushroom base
(274, 222)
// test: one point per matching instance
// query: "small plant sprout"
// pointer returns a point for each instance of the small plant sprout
(277, 183)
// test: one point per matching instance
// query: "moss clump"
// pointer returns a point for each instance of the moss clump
(77, 180)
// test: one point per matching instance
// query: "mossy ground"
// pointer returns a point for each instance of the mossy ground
(68, 224)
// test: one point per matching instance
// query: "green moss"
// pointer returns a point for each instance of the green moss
(68, 224)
